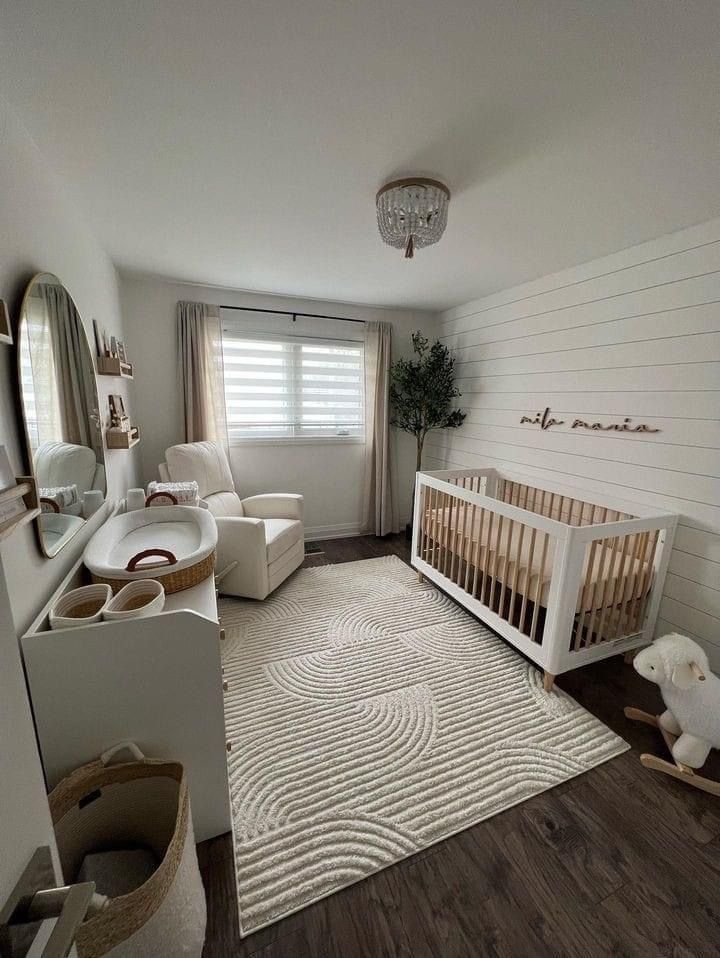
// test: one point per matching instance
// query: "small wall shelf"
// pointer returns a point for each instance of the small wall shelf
(115, 439)
(26, 489)
(112, 366)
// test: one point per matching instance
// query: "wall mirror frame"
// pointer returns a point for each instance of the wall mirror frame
(61, 412)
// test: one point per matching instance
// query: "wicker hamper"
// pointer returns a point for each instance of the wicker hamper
(143, 803)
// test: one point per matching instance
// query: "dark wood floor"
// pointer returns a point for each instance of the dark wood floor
(620, 861)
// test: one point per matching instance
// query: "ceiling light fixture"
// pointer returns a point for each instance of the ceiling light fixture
(412, 213)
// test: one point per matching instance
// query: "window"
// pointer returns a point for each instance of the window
(280, 386)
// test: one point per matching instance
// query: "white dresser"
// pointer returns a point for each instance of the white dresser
(156, 681)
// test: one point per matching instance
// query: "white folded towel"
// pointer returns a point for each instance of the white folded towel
(186, 493)
(62, 496)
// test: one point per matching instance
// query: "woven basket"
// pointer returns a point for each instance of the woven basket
(171, 581)
(144, 803)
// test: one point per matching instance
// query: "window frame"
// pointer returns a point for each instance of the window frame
(236, 330)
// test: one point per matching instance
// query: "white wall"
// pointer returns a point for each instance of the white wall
(633, 334)
(40, 231)
(329, 475)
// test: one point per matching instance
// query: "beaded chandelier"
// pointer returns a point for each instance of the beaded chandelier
(412, 213)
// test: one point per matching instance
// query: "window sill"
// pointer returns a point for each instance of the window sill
(300, 441)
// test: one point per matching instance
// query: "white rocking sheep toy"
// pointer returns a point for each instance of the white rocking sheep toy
(691, 693)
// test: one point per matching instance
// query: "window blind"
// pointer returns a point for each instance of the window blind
(284, 386)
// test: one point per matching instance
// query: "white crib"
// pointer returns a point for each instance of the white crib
(566, 576)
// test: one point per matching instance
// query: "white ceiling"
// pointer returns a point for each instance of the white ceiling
(241, 142)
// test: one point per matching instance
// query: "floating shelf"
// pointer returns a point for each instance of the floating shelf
(122, 440)
(112, 366)
(26, 489)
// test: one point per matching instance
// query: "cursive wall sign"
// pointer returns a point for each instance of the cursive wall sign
(546, 421)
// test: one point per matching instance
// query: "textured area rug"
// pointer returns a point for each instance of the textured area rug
(371, 717)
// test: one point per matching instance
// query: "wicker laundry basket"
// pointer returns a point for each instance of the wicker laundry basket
(140, 803)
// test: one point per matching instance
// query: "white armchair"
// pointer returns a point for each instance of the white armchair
(263, 534)
(58, 463)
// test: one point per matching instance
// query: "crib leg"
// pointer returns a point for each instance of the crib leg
(629, 656)
(548, 681)
(421, 577)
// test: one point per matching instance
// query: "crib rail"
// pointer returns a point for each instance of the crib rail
(559, 576)
(555, 505)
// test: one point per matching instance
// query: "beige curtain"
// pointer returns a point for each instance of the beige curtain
(201, 370)
(74, 371)
(380, 495)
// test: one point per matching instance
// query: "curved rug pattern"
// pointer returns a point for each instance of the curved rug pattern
(372, 717)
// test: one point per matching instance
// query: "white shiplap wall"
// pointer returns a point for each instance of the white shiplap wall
(633, 334)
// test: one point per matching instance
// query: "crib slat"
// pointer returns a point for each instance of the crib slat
(441, 519)
(460, 541)
(540, 575)
(609, 587)
(450, 529)
(637, 602)
(452, 538)
(539, 587)
(597, 587)
(587, 585)
(496, 559)
(435, 524)
(625, 617)
(444, 526)
(422, 512)
(516, 570)
(522, 493)
(478, 550)
(615, 602)
(485, 596)
(457, 542)
(645, 578)
(469, 546)
(531, 557)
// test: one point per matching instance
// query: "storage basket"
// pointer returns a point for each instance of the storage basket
(171, 581)
(142, 803)
(136, 600)
(80, 606)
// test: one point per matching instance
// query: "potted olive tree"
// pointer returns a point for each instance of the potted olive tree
(422, 390)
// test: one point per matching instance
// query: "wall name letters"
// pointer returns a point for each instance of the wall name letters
(546, 421)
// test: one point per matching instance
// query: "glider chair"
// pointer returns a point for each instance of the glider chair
(263, 534)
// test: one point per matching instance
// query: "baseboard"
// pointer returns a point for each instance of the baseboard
(333, 532)
(342, 531)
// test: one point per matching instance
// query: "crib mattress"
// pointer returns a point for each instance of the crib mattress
(609, 576)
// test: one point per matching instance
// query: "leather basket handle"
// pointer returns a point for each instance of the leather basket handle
(145, 554)
(51, 502)
(161, 495)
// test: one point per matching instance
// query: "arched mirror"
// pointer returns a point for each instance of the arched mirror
(63, 426)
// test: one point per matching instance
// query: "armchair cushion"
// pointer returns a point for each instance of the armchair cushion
(224, 504)
(281, 535)
(275, 505)
(65, 464)
(205, 462)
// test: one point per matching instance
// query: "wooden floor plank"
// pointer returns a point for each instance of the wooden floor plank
(620, 861)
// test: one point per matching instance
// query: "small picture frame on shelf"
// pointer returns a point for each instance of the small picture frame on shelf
(121, 351)
(113, 346)
(117, 410)
(5, 329)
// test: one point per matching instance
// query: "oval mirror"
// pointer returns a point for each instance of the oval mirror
(63, 427)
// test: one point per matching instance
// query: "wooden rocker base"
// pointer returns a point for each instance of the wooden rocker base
(675, 769)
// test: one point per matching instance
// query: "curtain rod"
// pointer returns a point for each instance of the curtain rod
(288, 312)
